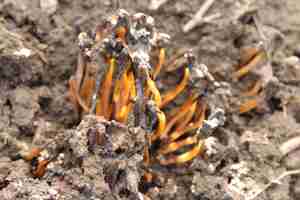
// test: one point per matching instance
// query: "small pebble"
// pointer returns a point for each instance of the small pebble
(291, 61)
(49, 6)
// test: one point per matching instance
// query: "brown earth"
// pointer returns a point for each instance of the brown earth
(34, 106)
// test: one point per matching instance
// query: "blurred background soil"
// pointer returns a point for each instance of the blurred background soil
(38, 54)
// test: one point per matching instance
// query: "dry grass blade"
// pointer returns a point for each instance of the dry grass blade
(198, 16)
(274, 181)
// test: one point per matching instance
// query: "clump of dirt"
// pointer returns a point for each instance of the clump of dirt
(38, 54)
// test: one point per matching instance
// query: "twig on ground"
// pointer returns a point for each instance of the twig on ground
(210, 18)
(198, 18)
(274, 181)
(290, 145)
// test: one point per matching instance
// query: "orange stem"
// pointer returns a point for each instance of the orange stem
(170, 95)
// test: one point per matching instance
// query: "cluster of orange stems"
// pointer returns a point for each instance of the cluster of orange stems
(251, 57)
(116, 76)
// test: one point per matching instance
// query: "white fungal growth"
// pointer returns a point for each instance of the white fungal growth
(23, 52)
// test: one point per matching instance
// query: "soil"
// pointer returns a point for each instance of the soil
(38, 55)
